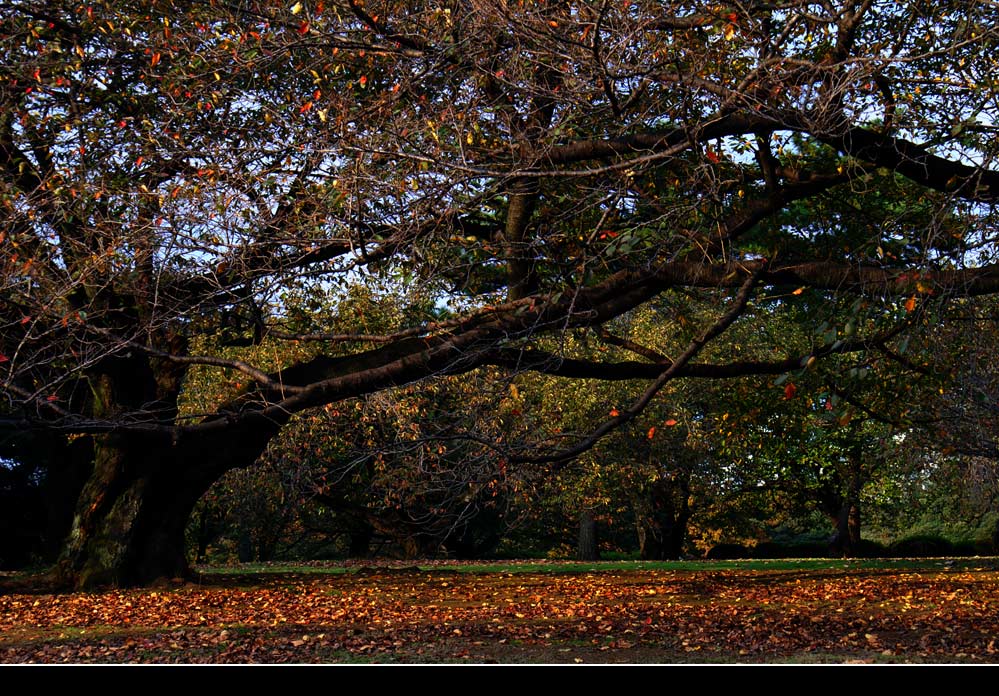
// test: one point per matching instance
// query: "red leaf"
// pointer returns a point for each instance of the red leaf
(671, 422)
(789, 391)
(3, 358)
(652, 432)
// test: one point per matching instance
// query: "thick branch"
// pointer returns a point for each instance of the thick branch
(667, 375)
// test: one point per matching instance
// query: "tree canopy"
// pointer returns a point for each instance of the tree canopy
(180, 179)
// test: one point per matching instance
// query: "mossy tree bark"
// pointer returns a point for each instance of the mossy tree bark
(130, 520)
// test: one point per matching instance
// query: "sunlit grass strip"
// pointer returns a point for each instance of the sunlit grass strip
(782, 564)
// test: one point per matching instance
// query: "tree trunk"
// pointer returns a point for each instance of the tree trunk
(589, 548)
(843, 509)
(649, 529)
(845, 540)
(130, 520)
(661, 518)
(360, 536)
(678, 533)
(661, 539)
(204, 535)
(244, 546)
(853, 526)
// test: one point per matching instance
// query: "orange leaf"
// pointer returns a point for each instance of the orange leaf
(910, 304)
(652, 432)
(671, 422)
(798, 291)
(614, 413)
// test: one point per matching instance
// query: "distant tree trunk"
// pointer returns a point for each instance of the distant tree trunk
(661, 518)
(589, 548)
(204, 534)
(360, 536)
(244, 547)
(846, 539)
(410, 548)
(468, 546)
(477, 536)
(391, 524)
(853, 526)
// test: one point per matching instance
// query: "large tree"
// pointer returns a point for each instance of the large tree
(171, 172)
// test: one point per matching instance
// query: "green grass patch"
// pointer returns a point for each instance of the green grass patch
(782, 564)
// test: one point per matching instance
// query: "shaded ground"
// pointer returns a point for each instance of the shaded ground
(389, 615)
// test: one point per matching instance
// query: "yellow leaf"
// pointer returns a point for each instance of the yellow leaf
(729, 31)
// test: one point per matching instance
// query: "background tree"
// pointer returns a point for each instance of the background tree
(171, 169)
